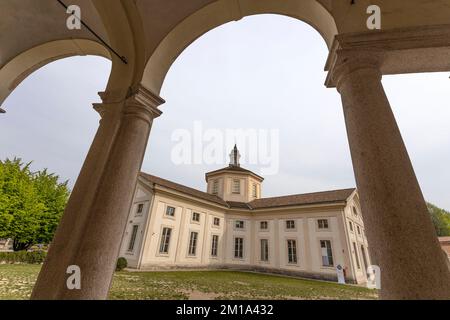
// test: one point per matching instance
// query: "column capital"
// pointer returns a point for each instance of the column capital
(343, 62)
(144, 96)
(138, 100)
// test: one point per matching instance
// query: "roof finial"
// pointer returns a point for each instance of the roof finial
(234, 157)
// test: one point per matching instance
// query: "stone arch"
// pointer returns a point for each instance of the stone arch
(19, 68)
(221, 12)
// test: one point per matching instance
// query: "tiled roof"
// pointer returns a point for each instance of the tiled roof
(264, 203)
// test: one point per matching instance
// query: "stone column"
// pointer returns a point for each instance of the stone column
(401, 236)
(90, 233)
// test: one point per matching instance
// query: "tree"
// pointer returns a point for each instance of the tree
(53, 195)
(441, 220)
(31, 204)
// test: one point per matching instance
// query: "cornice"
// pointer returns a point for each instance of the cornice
(144, 96)
(294, 208)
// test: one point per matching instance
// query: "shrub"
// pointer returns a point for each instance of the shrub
(35, 257)
(122, 263)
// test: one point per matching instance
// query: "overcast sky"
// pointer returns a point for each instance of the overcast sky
(263, 73)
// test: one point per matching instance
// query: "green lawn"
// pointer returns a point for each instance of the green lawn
(16, 282)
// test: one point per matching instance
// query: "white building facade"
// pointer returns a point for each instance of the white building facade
(231, 227)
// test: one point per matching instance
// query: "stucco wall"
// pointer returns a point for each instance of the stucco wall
(181, 225)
